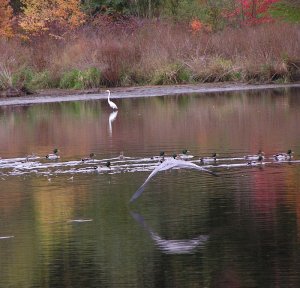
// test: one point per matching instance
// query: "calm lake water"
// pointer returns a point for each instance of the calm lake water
(63, 224)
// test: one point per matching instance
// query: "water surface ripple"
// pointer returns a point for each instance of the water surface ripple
(64, 223)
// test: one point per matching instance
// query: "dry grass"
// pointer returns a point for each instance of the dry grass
(160, 53)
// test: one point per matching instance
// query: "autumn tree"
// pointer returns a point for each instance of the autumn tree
(251, 11)
(39, 16)
(287, 10)
(6, 16)
(140, 8)
(208, 12)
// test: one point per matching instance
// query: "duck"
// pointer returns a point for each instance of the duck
(255, 162)
(106, 167)
(259, 154)
(91, 157)
(212, 158)
(53, 156)
(175, 156)
(184, 154)
(31, 157)
(121, 156)
(161, 156)
(162, 153)
(283, 156)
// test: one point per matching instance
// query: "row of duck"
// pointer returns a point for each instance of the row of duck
(53, 160)
(260, 156)
(185, 154)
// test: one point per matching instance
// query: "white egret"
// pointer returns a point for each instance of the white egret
(166, 165)
(111, 103)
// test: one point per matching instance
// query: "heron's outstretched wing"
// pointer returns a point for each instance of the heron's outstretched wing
(169, 164)
(161, 167)
(138, 192)
(189, 165)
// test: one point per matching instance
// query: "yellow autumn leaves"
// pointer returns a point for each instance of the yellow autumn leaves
(38, 16)
(6, 18)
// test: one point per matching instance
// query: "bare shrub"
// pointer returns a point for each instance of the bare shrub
(153, 52)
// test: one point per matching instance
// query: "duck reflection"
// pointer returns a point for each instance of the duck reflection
(184, 246)
(112, 118)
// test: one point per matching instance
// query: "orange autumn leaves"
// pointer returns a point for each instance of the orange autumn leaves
(39, 16)
(6, 17)
(196, 25)
(243, 12)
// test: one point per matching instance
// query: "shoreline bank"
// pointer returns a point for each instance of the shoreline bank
(57, 95)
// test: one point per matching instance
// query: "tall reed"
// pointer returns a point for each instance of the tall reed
(157, 52)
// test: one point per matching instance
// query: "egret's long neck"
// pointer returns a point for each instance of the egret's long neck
(108, 95)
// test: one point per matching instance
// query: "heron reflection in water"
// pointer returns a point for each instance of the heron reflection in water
(112, 118)
(183, 246)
